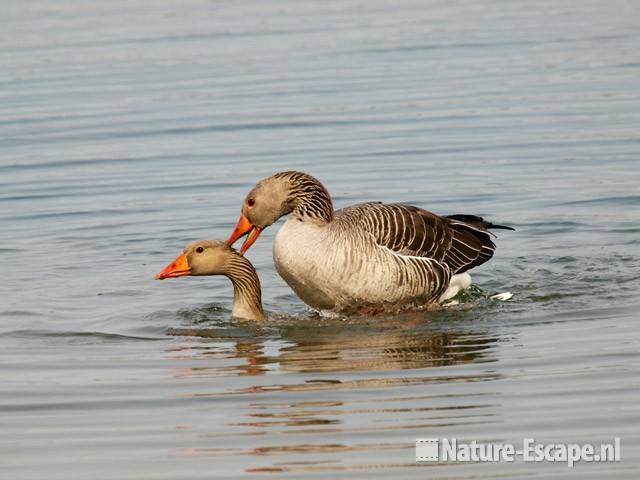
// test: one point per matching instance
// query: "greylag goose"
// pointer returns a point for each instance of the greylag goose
(368, 257)
(211, 257)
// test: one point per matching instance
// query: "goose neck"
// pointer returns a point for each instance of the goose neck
(247, 295)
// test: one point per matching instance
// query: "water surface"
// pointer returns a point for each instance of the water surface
(130, 129)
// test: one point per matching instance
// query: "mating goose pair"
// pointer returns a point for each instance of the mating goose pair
(370, 257)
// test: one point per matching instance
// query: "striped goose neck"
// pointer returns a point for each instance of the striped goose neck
(247, 295)
(308, 198)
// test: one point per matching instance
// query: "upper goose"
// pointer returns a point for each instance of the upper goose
(371, 256)
(211, 257)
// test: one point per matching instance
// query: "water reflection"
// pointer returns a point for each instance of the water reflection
(333, 347)
(332, 378)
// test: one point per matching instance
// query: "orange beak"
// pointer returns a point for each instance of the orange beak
(243, 227)
(178, 268)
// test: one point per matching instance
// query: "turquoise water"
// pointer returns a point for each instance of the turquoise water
(130, 129)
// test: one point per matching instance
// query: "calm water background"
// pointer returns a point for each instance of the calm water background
(128, 129)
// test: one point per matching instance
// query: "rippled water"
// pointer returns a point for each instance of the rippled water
(129, 129)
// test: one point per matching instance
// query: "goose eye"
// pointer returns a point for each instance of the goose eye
(200, 249)
(251, 202)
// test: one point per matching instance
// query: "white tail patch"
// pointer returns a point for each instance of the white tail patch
(502, 297)
(458, 282)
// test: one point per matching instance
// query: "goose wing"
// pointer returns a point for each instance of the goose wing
(460, 241)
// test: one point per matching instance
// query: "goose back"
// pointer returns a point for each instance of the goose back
(412, 231)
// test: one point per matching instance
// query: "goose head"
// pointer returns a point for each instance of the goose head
(204, 257)
(279, 195)
(269, 200)
(214, 257)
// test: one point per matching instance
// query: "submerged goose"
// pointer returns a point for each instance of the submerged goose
(367, 257)
(211, 257)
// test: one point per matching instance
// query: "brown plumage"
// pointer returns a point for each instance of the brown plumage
(459, 241)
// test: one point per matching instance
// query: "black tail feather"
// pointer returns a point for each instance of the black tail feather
(479, 221)
(500, 227)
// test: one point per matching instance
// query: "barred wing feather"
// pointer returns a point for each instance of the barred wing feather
(460, 242)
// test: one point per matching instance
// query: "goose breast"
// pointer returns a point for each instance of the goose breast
(333, 268)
